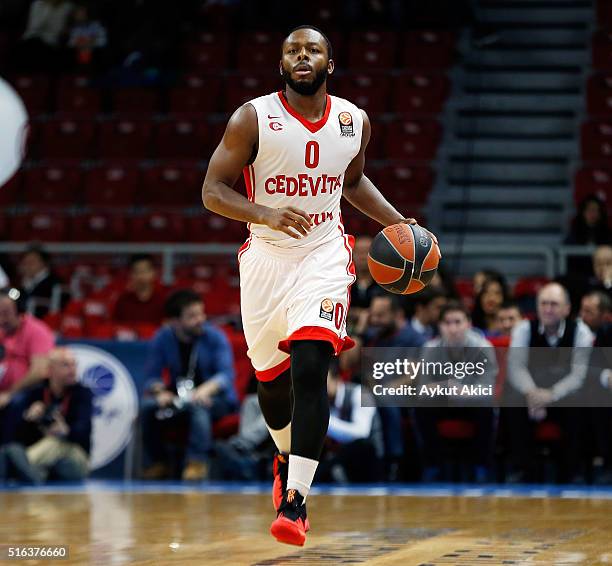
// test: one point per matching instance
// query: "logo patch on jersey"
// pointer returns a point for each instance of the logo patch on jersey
(327, 308)
(276, 126)
(346, 124)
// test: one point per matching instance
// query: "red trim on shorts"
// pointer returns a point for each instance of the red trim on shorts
(310, 126)
(317, 333)
(272, 373)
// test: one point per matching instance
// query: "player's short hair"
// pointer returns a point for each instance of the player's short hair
(314, 28)
(454, 306)
(136, 258)
(178, 301)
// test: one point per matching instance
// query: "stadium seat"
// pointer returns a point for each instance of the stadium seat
(593, 181)
(410, 180)
(98, 227)
(596, 140)
(39, 226)
(34, 91)
(258, 50)
(409, 139)
(196, 94)
(172, 185)
(11, 192)
(420, 92)
(214, 228)
(246, 86)
(53, 185)
(112, 185)
(599, 94)
(367, 91)
(125, 138)
(136, 101)
(604, 12)
(157, 227)
(181, 137)
(372, 49)
(602, 49)
(74, 95)
(429, 49)
(67, 138)
(210, 52)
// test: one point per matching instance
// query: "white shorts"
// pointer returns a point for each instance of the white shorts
(289, 294)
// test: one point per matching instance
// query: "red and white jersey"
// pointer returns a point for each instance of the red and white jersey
(302, 164)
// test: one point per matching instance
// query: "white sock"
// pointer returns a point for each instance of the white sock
(301, 474)
(282, 438)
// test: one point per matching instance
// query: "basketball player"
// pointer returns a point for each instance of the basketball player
(300, 150)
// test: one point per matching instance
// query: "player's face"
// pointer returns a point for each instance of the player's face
(454, 326)
(192, 319)
(305, 61)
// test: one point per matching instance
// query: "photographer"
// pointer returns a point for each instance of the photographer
(191, 373)
(56, 426)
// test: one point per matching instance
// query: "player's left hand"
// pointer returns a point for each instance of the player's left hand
(431, 234)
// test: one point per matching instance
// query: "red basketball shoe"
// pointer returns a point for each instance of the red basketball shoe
(280, 469)
(290, 524)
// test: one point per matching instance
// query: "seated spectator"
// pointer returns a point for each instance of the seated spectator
(56, 425)
(602, 269)
(86, 37)
(493, 292)
(25, 343)
(590, 225)
(483, 275)
(543, 379)
(458, 342)
(44, 35)
(42, 289)
(595, 310)
(143, 300)
(427, 305)
(354, 446)
(508, 316)
(191, 374)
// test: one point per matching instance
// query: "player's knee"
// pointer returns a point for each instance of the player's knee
(309, 364)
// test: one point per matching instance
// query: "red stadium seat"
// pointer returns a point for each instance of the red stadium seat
(604, 12)
(429, 49)
(214, 228)
(258, 50)
(136, 101)
(456, 429)
(420, 92)
(596, 140)
(413, 181)
(125, 138)
(67, 138)
(408, 139)
(112, 185)
(172, 186)
(72, 324)
(599, 94)
(75, 95)
(529, 286)
(157, 227)
(602, 49)
(53, 185)
(11, 192)
(182, 137)
(196, 94)
(372, 50)
(40, 226)
(34, 91)
(209, 53)
(593, 181)
(98, 227)
(369, 92)
(242, 88)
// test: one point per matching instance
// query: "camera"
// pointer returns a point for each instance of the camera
(184, 389)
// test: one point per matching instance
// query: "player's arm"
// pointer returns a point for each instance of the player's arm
(236, 150)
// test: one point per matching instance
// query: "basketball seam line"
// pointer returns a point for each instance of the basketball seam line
(402, 255)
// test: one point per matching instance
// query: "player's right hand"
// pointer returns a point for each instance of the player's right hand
(290, 220)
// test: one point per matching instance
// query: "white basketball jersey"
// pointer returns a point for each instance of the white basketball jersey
(302, 164)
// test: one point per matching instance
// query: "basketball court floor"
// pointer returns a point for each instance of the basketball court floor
(216, 524)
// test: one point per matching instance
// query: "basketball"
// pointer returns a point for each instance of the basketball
(403, 258)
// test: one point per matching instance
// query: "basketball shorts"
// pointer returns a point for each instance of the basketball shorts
(289, 294)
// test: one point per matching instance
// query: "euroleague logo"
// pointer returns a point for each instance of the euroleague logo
(327, 307)
(346, 124)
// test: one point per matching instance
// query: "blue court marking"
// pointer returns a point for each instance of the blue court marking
(404, 490)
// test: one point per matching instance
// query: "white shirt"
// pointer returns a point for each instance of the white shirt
(362, 418)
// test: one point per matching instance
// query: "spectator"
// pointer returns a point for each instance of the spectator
(595, 310)
(508, 316)
(25, 343)
(142, 302)
(86, 38)
(483, 275)
(543, 379)
(493, 293)
(42, 289)
(191, 373)
(458, 342)
(590, 225)
(427, 305)
(602, 268)
(44, 35)
(354, 445)
(56, 426)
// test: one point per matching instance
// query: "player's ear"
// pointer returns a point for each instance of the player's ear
(330, 66)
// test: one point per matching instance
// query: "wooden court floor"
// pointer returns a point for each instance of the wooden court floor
(193, 528)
